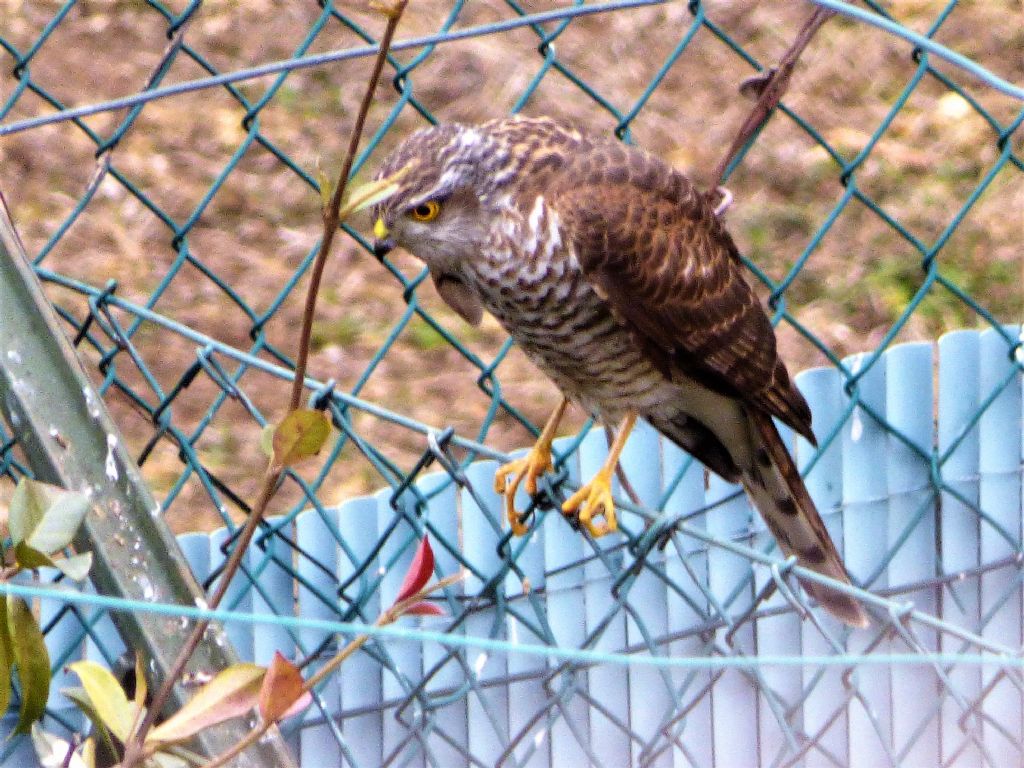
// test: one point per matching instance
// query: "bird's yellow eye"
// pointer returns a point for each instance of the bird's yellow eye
(427, 211)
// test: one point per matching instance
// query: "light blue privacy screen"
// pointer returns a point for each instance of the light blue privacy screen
(557, 650)
(929, 520)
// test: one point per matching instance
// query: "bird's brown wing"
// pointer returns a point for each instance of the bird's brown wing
(653, 248)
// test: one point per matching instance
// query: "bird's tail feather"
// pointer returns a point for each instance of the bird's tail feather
(779, 494)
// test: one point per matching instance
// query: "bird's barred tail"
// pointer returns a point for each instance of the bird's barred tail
(779, 494)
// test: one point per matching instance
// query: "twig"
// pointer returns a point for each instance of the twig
(330, 214)
(134, 750)
(771, 86)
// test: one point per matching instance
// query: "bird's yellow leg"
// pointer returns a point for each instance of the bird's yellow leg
(534, 464)
(595, 498)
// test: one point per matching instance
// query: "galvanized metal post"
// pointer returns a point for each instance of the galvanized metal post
(68, 438)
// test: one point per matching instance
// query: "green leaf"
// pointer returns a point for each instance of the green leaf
(53, 751)
(28, 557)
(267, 440)
(141, 687)
(107, 698)
(31, 658)
(81, 699)
(75, 567)
(232, 693)
(370, 194)
(89, 752)
(325, 184)
(301, 435)
(45, 517)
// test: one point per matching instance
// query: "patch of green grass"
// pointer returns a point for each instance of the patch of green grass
(423, 336)
(343, 331)
(223, 450)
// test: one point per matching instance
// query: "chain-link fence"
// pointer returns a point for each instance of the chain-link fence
(881, 204)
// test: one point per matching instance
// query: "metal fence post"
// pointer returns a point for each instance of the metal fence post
(69, 439)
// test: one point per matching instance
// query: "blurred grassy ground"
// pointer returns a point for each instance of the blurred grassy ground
(263, 220)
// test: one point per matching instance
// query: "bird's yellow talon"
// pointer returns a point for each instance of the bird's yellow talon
(509, 477)
(529, 468)
(594, 500)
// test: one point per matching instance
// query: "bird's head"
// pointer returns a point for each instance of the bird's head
(439, 212)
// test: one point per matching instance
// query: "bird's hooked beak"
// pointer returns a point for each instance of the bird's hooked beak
(382, 242)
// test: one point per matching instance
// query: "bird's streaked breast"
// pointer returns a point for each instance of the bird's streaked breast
(531, 281)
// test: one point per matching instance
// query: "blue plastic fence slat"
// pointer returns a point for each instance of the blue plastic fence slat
(528, 550)
(1000, 497)
(650, 689)
(64, 644)
(22, 755)
(563, 550)
(822, 388)
(958, 404)
(448, 721)
(317, 566)
(313, 740)
(910, 409)
(442, 496)
(730, 578)
(526, 697)
(865, 524)
(778, 688)
(360, 680)
(276, 596)
(687, 605)
(272, 588)
(481, 530)
(196, 548)
(238, 597)
(407, 658)
(641, 462)
(824, 689)
(104, 643)
(608, 685)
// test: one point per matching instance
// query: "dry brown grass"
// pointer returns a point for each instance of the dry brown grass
(264, 219)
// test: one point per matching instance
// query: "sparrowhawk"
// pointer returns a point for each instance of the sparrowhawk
(613, 274)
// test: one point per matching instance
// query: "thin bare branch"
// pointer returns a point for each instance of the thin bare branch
(330, 214)
(770, 86)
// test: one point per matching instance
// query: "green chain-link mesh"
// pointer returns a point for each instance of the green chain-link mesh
(203, 394)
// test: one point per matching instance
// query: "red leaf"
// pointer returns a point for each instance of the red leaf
(281, 690)
(424, 608)
(419, 573)
(298, 705)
